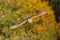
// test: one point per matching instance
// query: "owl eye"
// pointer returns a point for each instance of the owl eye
(29, 20)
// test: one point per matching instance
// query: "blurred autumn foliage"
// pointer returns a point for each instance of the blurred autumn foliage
(15, 11)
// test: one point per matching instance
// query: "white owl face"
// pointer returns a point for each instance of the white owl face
(29, 20)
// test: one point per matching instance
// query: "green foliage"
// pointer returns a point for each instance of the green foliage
(15, 11)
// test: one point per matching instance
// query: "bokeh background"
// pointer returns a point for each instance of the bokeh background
(45, 27)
